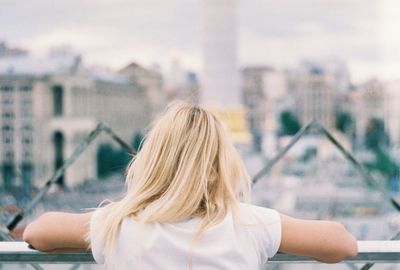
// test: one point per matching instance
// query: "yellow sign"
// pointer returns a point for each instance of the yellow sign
(235, 121)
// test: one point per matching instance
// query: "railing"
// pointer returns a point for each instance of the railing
(19, 252)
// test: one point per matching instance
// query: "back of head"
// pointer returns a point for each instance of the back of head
(187, 167)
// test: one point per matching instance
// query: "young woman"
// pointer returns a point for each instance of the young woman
(185, 208)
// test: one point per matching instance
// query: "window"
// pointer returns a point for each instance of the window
(27, 175)
(8, 175)
(26, 113)
(26, 101)
(58, 100)
(7, 88)
(9, 155)
(58, 141)
(27, 127)
(27, 140)
(8, 101)
(8, 139)
(26, 88)
(7, 128)
(27, 155)
(8, 115)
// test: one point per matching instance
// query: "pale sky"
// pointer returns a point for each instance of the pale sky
(363, 33)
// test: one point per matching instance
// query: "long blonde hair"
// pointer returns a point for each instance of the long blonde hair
(187, 167)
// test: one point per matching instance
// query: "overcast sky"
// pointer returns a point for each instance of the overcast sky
(363, 33)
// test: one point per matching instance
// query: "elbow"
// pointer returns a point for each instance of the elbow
(27, 234)
(35, 235)
(351, 249)
(30, 237)
(344, 246)
(348, 243)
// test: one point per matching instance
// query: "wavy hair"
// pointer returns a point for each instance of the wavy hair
(187, 167)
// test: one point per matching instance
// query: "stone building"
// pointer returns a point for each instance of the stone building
(393, 110)
(6, 50)
(375, 99)
(152, 83)
(48, 105)
(316, 94)
(370, 104)
(181, 84)
(187, 89)
(264, 93)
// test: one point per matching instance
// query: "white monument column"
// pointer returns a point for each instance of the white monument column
(220, 78)
(220, 85)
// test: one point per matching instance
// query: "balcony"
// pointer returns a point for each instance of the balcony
(20, 253)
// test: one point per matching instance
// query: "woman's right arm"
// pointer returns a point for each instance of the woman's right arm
(324, 241)
(54, 231)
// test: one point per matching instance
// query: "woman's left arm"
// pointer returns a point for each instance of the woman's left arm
(54, 231)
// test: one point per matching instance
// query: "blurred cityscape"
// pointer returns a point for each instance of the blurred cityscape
(50, 103)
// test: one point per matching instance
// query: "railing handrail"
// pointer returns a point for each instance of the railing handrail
(19, 252)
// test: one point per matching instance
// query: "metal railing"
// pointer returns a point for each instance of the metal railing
(371, 255)
(4, 233)
(20, 253)
(314, 125)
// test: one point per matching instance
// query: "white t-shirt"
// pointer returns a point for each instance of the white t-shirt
(227, 245)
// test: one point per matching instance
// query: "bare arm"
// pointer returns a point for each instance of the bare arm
(57, 231)
(324, 241)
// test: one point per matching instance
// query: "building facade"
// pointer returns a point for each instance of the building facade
(151, 82)
(369, 103)
(393, 110)
(375, 99)
(264, 91)
(181, 84)
(47, 108)
(315, 95)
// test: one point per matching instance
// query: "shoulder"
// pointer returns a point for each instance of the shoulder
(265, 226)
(95, 221)
(266, 216)
(95, 239)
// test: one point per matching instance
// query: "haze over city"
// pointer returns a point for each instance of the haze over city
(364, 34)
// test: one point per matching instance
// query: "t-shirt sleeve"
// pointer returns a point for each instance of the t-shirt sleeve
(268, 231)
(96, 243)
(273, 231)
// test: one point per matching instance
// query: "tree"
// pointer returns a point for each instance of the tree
(387, 167)
(384, 163)
(104, 159)
(375, 135)
(137, 141)
(110, 160)
(289, 123)
(344, 122)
